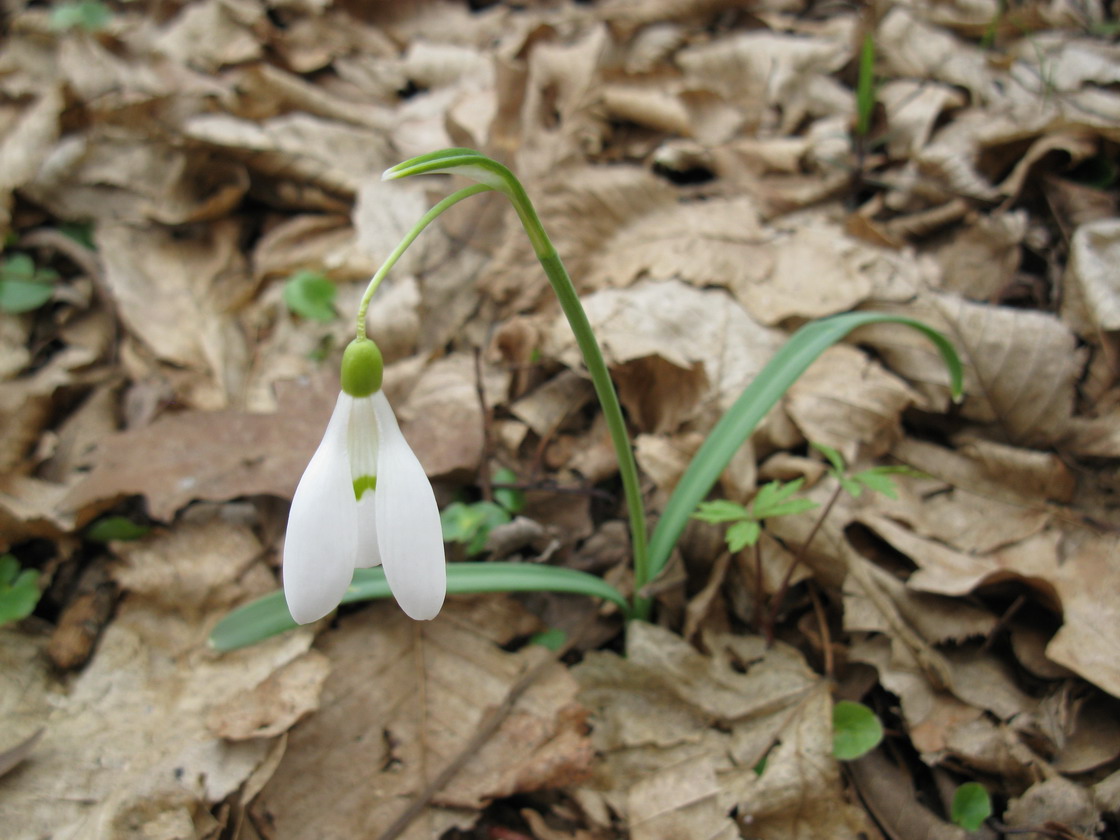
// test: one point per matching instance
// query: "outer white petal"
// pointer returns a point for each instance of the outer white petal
(322, 540)
(408, 528)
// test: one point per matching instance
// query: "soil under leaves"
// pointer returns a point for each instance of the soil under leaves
(168, 167)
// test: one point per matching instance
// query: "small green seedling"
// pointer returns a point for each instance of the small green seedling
(311, 295)
(110, 528)
(971, 806)
(470, 523)
(855, 730)
(87, 15)
(865, 87)
(875, 479)
(772, 500)
(23, 285)
(19, 590)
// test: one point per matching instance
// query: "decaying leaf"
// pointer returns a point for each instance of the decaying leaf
(130, 731)
(209, 455)
(406, 704)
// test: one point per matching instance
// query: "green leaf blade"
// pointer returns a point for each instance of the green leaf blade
(855, 730)
(268, 616)
(757, 399)
(971, 806)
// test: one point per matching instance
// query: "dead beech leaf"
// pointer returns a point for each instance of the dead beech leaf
(210, 455)
(177, 293)
(845, 400)
(1020, 366)
(333, 156)
(914, 48)
(403, 702)
(670, 773)
(275, 705)
(130, 730)
(136, 179)
(789, 73)
(716, 348)
(442, 417)
(1091, 290)
(1071, 572)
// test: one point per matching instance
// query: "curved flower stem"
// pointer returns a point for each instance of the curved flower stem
(489, 172)
(417, 229)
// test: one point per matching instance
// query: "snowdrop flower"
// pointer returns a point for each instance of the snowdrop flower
(363, 500)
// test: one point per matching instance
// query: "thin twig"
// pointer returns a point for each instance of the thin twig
(826, 635)
(780, 595)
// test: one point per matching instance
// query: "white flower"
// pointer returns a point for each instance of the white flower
(363, 500)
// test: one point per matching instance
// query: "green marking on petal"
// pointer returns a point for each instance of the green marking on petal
(364, 483)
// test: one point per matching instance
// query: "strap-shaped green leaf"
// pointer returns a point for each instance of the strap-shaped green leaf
(267, 616)
(736, 425)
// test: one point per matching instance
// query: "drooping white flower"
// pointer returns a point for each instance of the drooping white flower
(363, 500)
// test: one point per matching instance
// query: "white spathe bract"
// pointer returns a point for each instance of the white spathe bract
(331, 533)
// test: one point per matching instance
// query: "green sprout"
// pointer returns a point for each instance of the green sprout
(19, 590)
(650, 550)
(772, 500)
(310, 295)
(855, 730)
(971, 806)
(23, 285)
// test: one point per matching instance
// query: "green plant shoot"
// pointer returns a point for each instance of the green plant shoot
(774, 499)
(855, 730)
(310, 295)
(971, 806)
(23, 285)
(19, 590)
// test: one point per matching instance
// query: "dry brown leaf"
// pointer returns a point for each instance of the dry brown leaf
(1020, 366)
(405, 699)
(1070, 572)
(212, 33)
(1090, 288)
(442, 417)
(714, 345)
(210, 455)
(671, 775)
(914, 48)
(1054, 801)
(980, 262)
(846, 401)
(176, 292)
(787, 73)
(312, 151)
(130, 731)
(275, 705)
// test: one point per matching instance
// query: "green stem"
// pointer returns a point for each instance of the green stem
(604, 388)
(417, 229)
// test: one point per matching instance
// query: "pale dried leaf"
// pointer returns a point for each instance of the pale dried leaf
(209, 455)
(1091, 285)
(847, 401)
(161, 280)
(1020, 366)
(404, 707)
(131, 730)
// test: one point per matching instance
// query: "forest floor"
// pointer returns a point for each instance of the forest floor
(191, 208)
